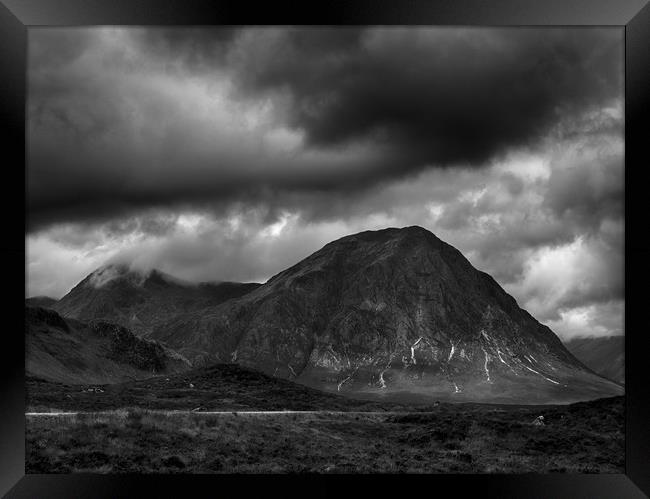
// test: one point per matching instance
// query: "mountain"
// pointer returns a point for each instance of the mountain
(141, 301)
(395, 313)
(606, 356)
(40, 301)
(70, 351)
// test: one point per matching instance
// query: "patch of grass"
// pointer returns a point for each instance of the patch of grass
(460, 439)
(218, 387)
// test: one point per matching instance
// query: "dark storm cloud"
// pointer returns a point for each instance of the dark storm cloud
(112, 129)
(231, 154)
(194, 48)
(440, 96)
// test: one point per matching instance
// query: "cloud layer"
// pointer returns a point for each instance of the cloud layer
(231, 154)
(121, 119)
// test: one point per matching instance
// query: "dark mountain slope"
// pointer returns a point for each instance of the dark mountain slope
(40, 301)
(70, 351)
(606, 356)
(141, 301)
(395, 313)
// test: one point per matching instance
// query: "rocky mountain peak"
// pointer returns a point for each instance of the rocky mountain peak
(392, 312)
(140, 300)
(381, 312)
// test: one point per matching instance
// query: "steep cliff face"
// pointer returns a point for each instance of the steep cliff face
(141, 300)
(395, 313)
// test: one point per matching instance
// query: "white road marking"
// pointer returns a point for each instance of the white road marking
(226, 413)
(60, 413)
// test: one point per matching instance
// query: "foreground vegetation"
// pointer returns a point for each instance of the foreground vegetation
(451, 438)
(219, 387)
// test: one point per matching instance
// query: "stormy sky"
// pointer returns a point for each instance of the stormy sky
(232, 153)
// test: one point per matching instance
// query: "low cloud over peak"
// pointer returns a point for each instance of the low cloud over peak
(230, 154)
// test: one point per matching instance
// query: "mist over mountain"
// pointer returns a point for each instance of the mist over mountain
(141, 300)
(391, 313)
(606, 356)
(74, 352)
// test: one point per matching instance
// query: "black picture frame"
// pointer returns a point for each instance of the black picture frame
(16, 16)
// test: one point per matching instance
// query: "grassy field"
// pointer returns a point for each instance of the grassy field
(451, 438)
(220, 387)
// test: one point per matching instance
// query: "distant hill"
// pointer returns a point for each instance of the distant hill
(141, 301)
(40, 301)
(225, 387)
(606, 356)
(70, 351)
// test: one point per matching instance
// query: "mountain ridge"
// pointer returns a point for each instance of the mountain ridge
(141, 300)
(384, 309)
(393, 313)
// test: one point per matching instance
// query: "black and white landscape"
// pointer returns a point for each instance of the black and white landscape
(324, 250)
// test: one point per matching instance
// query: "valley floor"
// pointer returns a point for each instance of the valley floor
(586, 437)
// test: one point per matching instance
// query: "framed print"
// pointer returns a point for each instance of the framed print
(305, 250)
